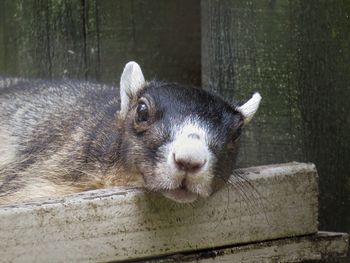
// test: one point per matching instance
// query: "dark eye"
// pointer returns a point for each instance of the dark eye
(142, 112)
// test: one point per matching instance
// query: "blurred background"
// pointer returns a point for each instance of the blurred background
(295, 52)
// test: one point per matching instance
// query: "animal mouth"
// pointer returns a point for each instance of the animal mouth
(180, 195)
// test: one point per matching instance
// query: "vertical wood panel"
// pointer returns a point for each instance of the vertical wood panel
(322, 38)
(8, 40)
(297, 54)
(246, 47)
(91, 39)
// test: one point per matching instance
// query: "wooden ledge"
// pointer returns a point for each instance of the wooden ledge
(278, 201)
(319, 246)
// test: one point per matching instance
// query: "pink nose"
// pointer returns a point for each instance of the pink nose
(188, 164)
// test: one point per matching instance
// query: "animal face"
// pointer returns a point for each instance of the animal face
(182, 140)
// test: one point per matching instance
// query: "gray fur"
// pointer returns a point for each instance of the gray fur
(62, 137)
(49, 133)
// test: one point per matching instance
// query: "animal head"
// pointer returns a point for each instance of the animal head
(182, 140)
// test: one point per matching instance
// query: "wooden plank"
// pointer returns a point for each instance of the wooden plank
(117, 224)
(323, 245)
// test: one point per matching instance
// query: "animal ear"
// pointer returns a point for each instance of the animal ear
(249, 108)
(131, 82)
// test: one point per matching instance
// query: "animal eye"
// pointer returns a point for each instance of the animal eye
(142, 112)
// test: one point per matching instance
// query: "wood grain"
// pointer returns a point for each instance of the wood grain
(320, 246)
(297, 55)
(117, 224)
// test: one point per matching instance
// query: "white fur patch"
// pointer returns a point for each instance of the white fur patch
(249, 108)
(131, 81)
(190, 144)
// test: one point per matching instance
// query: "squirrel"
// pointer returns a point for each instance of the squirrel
(62, 137)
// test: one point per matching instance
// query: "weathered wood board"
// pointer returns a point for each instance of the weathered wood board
(117, 224)
(320, 246)
(296, 53)
(92, 39)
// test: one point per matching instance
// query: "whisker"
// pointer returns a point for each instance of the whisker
(248, 192)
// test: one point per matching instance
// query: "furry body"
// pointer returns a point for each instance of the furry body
(62, 137)
(55, 138)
